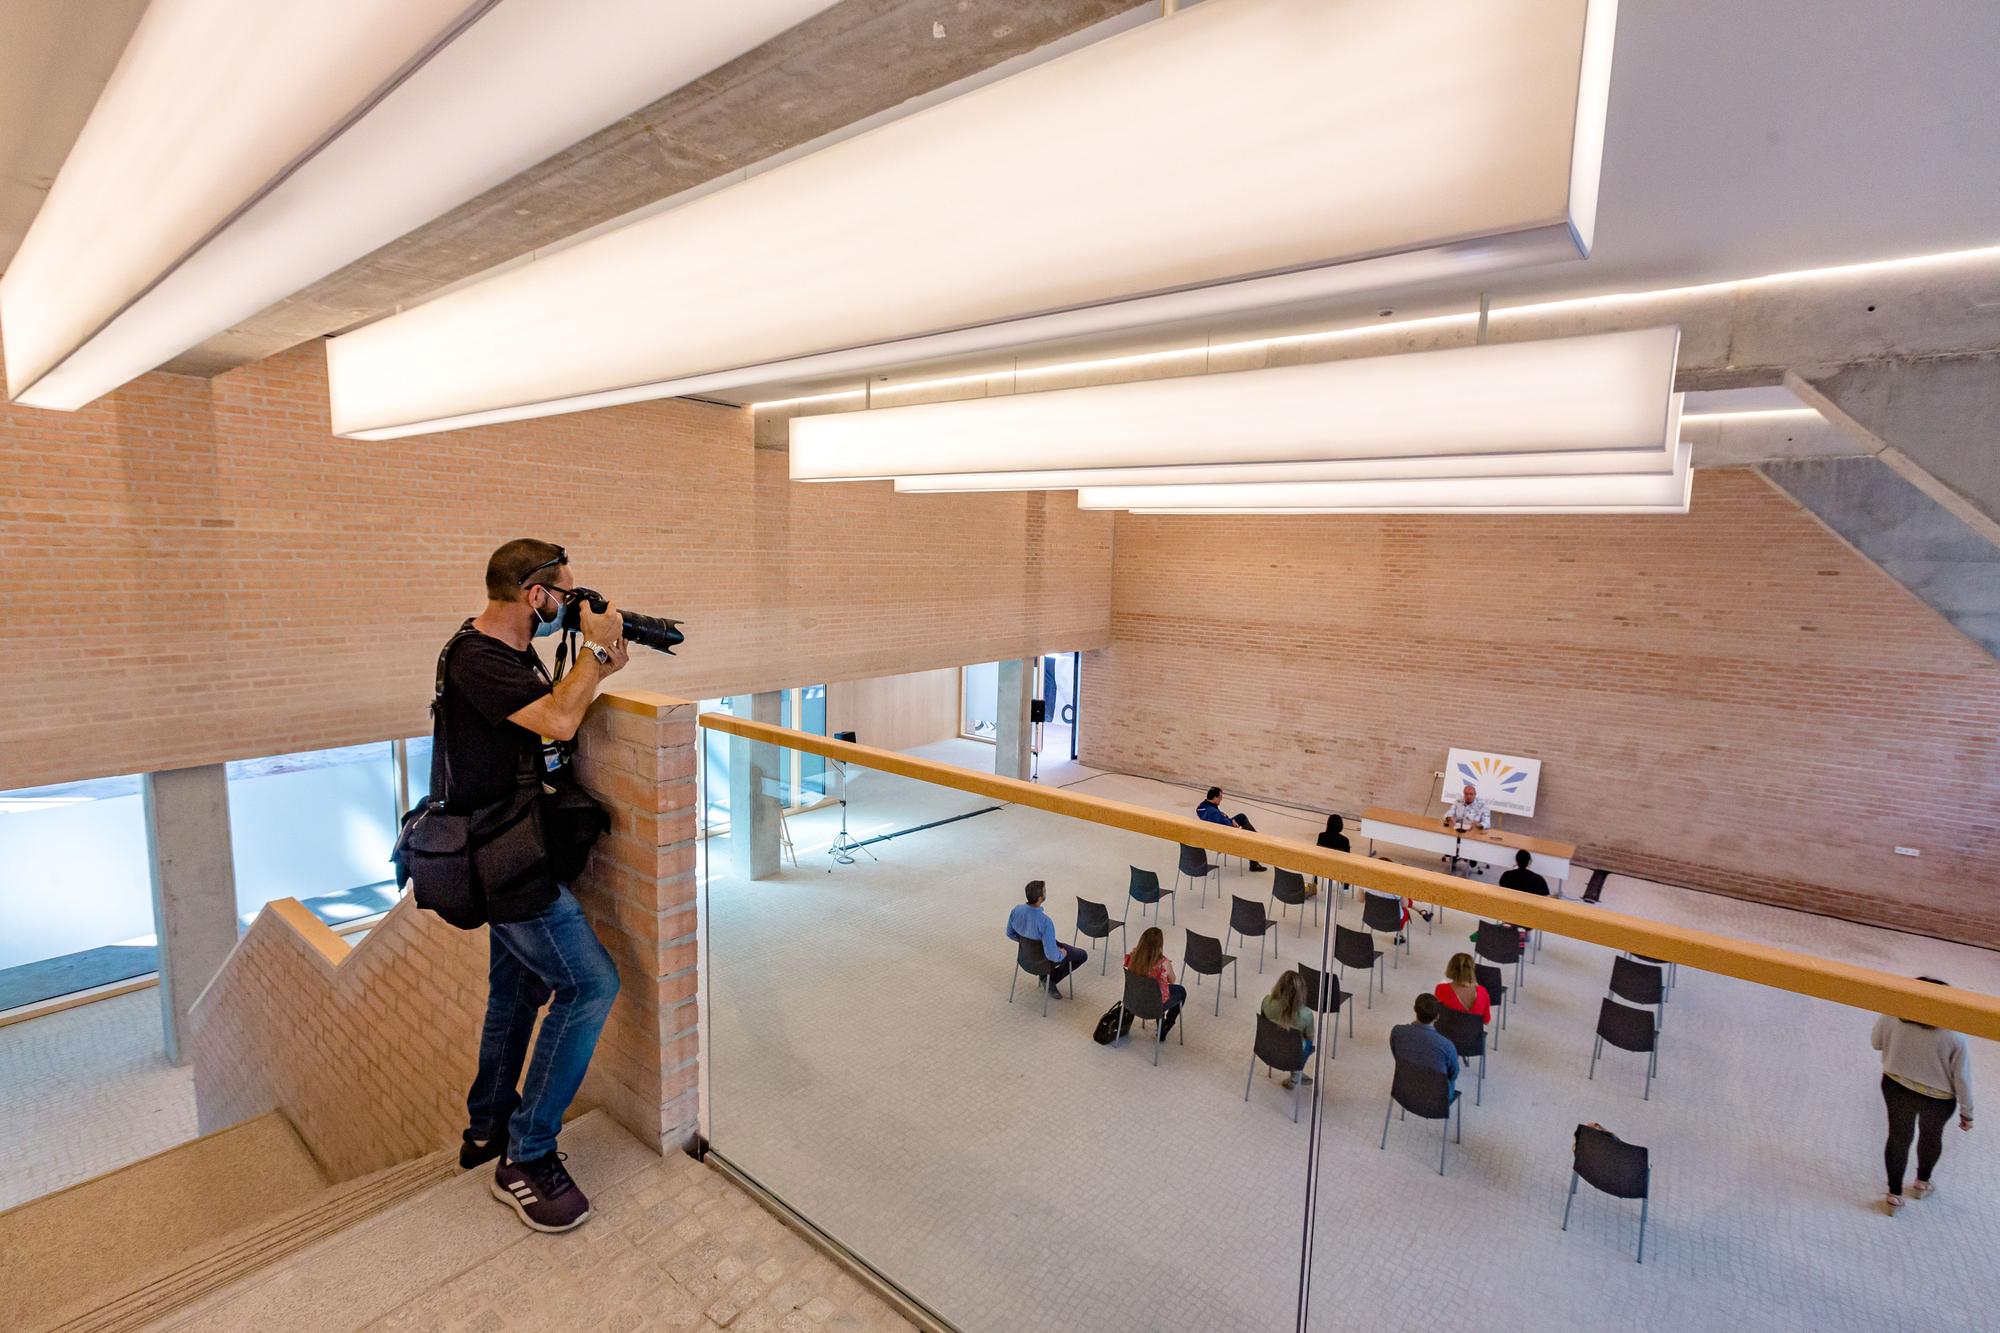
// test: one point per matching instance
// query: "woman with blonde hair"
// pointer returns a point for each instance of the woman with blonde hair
(1149, 959)
(1286, 1006)
(1461, 990)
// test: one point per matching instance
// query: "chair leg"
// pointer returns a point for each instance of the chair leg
(1048, 989)
(1158, 1037)
(1260, 953)
(1016, 982)
(1385, 1123)
(1596, 1050)
(1644, 1202)
(1218, 996)
(1479, 1084)
(1233, 992)
(1443, 1136)
(1298, 1081)
(1251, 1077)
(1570, 1202)
(1647, 1096)
(1459, 1137)
(1175, 907)
(1350, 1023)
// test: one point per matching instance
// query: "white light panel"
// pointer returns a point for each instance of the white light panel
(1522, 405)
(245, 149)
(1339, 147)
(1666, 492)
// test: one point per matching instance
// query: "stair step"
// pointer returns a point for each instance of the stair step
(208, 1268)
(92, 1240)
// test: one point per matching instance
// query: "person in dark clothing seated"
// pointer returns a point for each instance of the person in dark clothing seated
(1524, 879)
(1210, 809)
(1333, 839)
(1029, 922)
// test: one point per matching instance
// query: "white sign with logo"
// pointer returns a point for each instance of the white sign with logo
(1507, 782)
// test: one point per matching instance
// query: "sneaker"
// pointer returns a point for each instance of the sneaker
(541, 1192)
(477, 1152)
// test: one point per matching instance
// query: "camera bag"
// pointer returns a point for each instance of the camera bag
(455, 864)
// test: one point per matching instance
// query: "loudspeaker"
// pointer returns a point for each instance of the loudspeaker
(847, 736)
(1038, 710)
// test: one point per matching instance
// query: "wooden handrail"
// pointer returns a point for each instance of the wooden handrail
(1971, 1012)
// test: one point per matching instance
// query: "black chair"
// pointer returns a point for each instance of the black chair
(1356, 948)
(1496, 992)
(1429, 1094)
(1280, 1048)
(1289, 887)
(1468, 1034)
(1673, 969)
(1030, 957)
(1498, 942)
(1145, 889)
(1628, 1029)
(1330, 1001)
(1195, 865)
(1640, 983)
(1142, 1001)
(1247, 918)
(1622, 1170)
(1384, 915)
(1093, 921)
(1204, 957)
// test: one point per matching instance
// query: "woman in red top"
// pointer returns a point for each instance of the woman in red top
(1148, 959)
(1461, 990)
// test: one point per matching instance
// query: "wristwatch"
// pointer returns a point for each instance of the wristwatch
(601, 653)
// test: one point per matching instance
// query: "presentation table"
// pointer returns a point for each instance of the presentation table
(1493, 847)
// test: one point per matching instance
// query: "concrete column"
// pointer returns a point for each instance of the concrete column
(636, 754)
(1013, 755)
(755, 791)
(194, 888)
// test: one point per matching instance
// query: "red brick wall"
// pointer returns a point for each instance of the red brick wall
(207, 574)
(1730, 700)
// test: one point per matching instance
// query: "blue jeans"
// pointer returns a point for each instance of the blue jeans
(553, 955)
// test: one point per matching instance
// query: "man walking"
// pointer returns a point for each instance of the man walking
(498, 704)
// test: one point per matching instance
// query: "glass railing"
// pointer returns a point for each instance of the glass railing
(880, 1061)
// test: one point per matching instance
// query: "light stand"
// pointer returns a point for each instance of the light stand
(844, 846)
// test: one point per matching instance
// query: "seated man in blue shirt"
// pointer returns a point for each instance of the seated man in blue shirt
(1030, 922)
(1210, 809)
(1422, 1045)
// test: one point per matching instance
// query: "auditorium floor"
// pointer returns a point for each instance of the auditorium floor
(864, 1064)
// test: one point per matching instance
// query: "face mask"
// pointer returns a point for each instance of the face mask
(544, 628)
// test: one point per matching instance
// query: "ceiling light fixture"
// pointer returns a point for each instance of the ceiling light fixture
(241, 151)
(1587, 396)
(1667, 492)
(1011, 212)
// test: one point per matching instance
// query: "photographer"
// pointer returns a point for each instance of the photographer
(498, 704)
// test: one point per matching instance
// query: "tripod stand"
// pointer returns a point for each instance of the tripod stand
(842, 849)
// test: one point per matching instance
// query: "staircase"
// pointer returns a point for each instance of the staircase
(236, 1231)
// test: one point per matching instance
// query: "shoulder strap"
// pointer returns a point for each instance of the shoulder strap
(440, 753)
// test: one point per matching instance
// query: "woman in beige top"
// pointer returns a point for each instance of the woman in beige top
(1926, 1074)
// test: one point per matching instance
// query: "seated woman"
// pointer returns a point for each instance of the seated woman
(1333, 839)
(1148, 958)
(1461, 990)
(1286, 1006)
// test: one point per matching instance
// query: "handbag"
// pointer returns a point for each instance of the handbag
(455, 864)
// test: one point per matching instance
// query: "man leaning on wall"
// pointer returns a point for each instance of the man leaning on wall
(496, 707)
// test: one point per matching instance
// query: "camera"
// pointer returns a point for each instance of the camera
(653, 632)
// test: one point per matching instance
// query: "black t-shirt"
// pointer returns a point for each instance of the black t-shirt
(1336, 842)
(1527, 881)
(485, 682)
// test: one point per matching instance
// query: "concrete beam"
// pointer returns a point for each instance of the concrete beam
(857, 59)
(1934, 420)
(194, 888)
(1935, 555)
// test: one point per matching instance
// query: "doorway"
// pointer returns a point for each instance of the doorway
(1060, 690)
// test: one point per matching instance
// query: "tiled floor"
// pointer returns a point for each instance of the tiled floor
(85, 1091)
(865, 1064)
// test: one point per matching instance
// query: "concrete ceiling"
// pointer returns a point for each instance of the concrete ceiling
(1743, 139)
(55, 56)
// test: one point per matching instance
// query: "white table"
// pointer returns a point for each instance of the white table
(1399, 828)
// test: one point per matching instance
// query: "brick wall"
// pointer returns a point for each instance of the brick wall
(369, 1052)
(214, 576)
(1731, 699)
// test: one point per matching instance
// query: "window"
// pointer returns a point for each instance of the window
(317, 826)
(979, 701)
(76, 889)
(803, 778)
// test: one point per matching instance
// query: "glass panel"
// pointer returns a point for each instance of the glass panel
(76, 890)
(419, 749)
(980, 689)
(714, 795)
(317, 826)
(1059, 694)
(812, 768)
(866, 1066)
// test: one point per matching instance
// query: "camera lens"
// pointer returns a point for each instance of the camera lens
(653, 632)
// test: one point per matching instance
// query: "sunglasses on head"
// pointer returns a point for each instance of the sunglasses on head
(560, 558)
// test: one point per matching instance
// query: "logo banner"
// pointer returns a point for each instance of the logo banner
(1507, 782)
